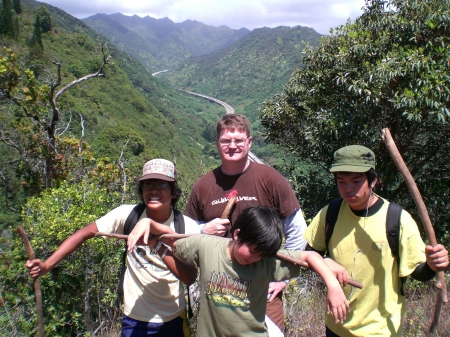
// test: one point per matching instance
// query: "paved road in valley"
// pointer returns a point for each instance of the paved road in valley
(159, 72)
(228, 108)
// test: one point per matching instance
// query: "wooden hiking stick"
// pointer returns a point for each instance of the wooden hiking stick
(295, 261)
(36, 283)
(232, 197)
(231, 200)
(423, 213)
(162, 236)
(280, 255)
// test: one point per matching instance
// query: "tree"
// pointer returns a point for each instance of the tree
(6, 22)
(17, 6)
(390, 68)
(80, 293)
(33, 130)
(36, 38)
(45, 18)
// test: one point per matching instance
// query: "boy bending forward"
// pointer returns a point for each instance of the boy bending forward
(235, 273)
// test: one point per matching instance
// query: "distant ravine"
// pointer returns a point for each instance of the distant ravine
(228, 108)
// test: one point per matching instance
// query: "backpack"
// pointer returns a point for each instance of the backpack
(392, 229)
(130, 223)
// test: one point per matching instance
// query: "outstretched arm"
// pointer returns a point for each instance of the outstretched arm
(339, 271)
(38, 268)
(186, 273)
(141, 232)
(337, 303)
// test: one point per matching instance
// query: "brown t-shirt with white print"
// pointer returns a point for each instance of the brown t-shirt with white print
(258, 185)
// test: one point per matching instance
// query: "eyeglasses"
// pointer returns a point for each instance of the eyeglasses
(237, 142)
(156, 186)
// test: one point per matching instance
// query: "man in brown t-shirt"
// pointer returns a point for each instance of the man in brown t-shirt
(257, 185)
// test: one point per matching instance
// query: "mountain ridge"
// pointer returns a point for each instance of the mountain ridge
(161, 43)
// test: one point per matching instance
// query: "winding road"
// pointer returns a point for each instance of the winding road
(228, 108)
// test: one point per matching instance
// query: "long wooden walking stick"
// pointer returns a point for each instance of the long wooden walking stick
(37, 285)
(176, 236)
(232, 196)
(293, 260)
(423, 213)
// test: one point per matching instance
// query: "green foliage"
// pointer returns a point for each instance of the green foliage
(247, 73)
(17, 6)
(36, 38)
(112, 140)
(161, 44)
(45, 19)
(80, 292)
(6, 22)
(387, 69)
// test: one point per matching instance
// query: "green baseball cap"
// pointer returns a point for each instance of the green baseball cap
(353, 158)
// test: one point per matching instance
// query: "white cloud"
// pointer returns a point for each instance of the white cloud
(318, 14)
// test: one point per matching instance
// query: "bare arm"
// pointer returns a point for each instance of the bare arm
(294, 228)
(141, 232)
(337, 303)
(339, 271)
(186, 273)
(38, 268)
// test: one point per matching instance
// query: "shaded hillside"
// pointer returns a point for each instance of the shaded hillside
(248, 72)
(126, 103)
(160, 43)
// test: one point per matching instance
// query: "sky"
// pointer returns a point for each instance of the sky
(318, 14)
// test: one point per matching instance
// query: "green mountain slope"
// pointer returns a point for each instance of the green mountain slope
(248, 72)
(160, 43)
(126, 103)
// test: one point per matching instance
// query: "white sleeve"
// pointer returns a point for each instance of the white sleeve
(113, 221)
(192, 226)
(294, 229)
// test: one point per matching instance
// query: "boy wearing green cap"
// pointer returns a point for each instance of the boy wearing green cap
(359, 249)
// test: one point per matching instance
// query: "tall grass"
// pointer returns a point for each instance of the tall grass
(305, 306)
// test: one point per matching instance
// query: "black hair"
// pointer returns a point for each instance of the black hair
(260, 228)
(175, 190)
(371, 176)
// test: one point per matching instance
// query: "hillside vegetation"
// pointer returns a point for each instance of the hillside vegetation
(64, 166)
(204, 59)
(125, 103)
(160, 43)
(248, 73)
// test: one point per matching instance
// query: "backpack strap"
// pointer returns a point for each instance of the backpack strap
(393, 236)
(178, 221)
(331, 218)
(130, 223)
(133, 218)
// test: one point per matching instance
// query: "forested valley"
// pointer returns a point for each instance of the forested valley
(81, 112)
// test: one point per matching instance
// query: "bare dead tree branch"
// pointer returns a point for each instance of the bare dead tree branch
(82, 132)
(99, 73)
(49, 121)
(68, 125)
